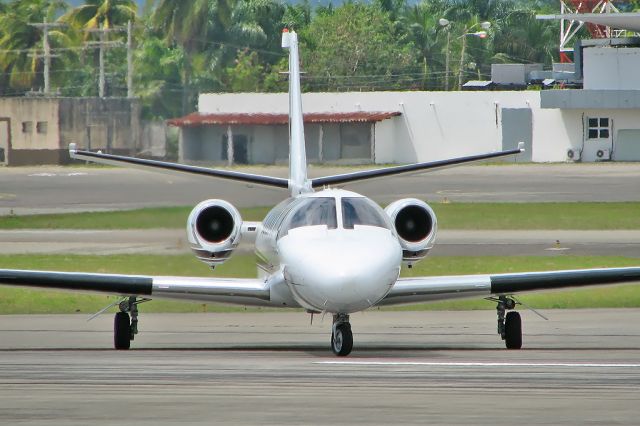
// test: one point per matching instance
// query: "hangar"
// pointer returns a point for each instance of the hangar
(259, 137)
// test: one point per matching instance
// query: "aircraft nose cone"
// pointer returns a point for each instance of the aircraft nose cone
(342, 274)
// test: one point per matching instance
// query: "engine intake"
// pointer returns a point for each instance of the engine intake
(416, 226)
(214, 231)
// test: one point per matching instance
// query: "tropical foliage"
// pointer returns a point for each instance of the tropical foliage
(182, 48)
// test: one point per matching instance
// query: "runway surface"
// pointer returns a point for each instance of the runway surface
(56, 189)
(448, 243)
(581, 367)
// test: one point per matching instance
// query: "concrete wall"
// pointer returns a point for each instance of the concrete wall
(153, 139)
(40, 129)
(111, 124)
(33, 130)
(554, 132)
(611, 68)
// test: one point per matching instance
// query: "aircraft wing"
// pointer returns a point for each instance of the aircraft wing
(163, 166)
(427, 289)
(225, 290)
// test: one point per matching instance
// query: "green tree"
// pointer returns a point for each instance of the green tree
(523, 38)
(193, 26)
(247, 73)
(430, 39)
(102, 14)
(355, 47)
(20, 41)
(158, 77)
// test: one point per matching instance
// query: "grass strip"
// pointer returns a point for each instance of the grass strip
(471, 216)
(26, 301)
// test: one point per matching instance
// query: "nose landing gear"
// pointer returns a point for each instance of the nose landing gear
(341, 335)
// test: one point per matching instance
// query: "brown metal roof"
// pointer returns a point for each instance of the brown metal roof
(197, 119)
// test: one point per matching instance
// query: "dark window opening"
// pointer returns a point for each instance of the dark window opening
(240, 149)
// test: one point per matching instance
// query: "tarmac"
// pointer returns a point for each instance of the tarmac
(448, 243)
(48, 189)
(581, 367)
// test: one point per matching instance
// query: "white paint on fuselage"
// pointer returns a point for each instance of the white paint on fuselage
(332, 270)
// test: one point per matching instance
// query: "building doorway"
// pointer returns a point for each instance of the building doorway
(240, 149)
(5, 140)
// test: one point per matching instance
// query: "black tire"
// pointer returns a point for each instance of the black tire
(122, 331)
(342, 342)
(513, 330)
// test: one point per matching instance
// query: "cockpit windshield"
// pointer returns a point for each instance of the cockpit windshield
(362, 211)
(312, 212)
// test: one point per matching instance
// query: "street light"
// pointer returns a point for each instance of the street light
(480, 34)
(445, 23)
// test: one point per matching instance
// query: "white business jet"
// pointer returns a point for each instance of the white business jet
(327, 251)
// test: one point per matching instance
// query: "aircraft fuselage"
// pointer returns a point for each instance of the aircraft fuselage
(336, 250)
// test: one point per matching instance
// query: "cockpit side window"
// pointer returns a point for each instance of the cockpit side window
(312, 212)
(362, 211)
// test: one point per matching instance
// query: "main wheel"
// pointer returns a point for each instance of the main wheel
(342, 340)
(513, 330)
(122, 331)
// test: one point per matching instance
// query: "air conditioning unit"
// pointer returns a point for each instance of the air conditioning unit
(603, 155)
(574, 154)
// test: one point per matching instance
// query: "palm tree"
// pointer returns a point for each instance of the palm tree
(192, 25)
(421, 23)
(19, 40)
(524, 38)
(102, 14)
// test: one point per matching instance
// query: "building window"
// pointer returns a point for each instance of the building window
(599, 128)
(27, 127)
(42, 127)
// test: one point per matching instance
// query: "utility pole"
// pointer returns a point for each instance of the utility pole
(102, 45)
(47, 52)
(446, 67)
(129, 60)
(461, 68)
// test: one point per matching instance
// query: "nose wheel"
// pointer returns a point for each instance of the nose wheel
(341, 335)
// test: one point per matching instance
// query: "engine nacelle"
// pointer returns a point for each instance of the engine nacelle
(214, 231)
(416, 226)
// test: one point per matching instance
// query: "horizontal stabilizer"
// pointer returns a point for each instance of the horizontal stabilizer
(410, 168)
(119, 160)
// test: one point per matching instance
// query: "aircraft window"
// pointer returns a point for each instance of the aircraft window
(362, 211)
(311, 212)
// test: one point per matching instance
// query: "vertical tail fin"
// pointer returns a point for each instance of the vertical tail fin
(298, 182)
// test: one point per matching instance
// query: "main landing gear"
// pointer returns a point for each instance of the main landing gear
(341, 336)
(509, 325)
(125, 327)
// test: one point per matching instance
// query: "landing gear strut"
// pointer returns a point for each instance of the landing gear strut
(125, 327)
(509, 325)
(341, 336)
